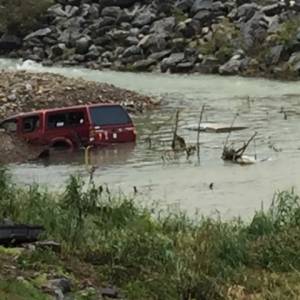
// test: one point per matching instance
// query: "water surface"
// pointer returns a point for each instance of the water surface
(176, 181)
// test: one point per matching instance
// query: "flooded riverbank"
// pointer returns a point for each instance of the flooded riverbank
(272, 108)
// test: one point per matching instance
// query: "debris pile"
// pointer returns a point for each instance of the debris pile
(23, 91)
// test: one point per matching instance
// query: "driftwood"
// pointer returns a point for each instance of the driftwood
(229, 153)
(198, 133)
(178, 142)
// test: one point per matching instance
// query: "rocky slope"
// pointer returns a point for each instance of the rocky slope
(25, 91)
(179, 36)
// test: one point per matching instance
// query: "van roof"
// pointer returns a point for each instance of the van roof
(59, 109)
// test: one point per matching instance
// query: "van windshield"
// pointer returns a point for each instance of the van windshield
(109, 115)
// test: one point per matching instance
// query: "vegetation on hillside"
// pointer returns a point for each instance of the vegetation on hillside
(21, 16)
(152, 254)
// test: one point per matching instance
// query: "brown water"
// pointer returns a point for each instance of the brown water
(238, 190)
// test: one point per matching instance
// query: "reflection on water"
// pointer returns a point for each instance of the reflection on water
(271, 108)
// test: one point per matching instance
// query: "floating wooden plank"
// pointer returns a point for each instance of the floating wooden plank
(216, 127)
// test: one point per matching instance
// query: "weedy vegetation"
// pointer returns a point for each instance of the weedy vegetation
(153, 254)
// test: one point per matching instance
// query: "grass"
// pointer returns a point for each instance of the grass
(153, 255)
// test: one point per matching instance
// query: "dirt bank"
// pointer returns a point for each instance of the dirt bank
(14, 150)
(23, 91)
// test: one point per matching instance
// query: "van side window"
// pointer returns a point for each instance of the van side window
(57, 120)
(30, 124)
(60, 120)
(9, 125)
(76, 118)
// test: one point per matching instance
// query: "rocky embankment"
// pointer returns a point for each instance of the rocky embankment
(24, 91)
(180, 36)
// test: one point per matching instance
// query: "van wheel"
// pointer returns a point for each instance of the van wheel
(61, 145)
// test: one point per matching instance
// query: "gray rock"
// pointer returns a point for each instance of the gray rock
(153, 42)
(144, 65)
(158, 56)
(209, 65)
(57, 11)
(58, 50)
(232, 67)
(203, 17)
(10, 42)
(111, 11)
(186, 28)
(184, 5)
(94, 52)
(171, 61)
(247, 11)
(133, 50)
(144, 18)
(274, 55)
(184, 67)
(131, 40)
(94, 11)
(164, 26)
(254, 31)
(120, 3)
(82, 45)
(119, 34)
(71, 11)
(39, 33)
(273, 9)
(201, 5)
(111, 292)
(294, 62)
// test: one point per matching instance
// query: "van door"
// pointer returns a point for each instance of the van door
(31, 128)
(71, 125)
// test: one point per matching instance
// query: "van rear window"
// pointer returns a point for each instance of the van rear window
(109, 115)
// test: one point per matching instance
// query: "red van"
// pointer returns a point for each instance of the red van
(74, 126)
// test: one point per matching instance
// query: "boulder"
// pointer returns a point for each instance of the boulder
(164, 26)
(144, 64)
(171, 61)
(153, 42)
(294, 62)
(254, 31)
(232, 67)
(9, 42)
(57, 50)
(143, 19)
(38, 34)
(183, 67)
(82, 45)
(274, 55)
(57, 11)
(203, 17)
(112, 11)
(131, 40)
(201, 5)
(158, 56)
(273, 9)
(246, 12)
(184, 5)
(120, 3)
(131, 51)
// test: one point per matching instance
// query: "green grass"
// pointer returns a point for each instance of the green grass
(20, 290)
(152, 255)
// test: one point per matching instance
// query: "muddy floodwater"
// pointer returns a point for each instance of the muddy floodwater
(270, 108)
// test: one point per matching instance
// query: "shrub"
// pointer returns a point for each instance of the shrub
(21, 16)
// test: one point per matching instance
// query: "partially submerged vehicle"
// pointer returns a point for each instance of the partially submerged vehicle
(75, 126)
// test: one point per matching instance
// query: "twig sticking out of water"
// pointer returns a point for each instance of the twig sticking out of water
(229, 132)
(178, 142)
(234, 155)
(198, 132)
